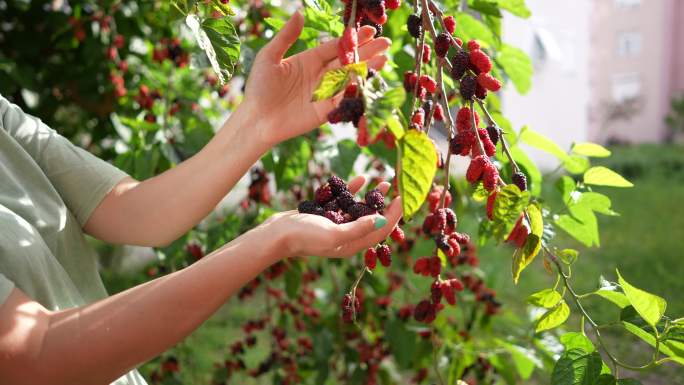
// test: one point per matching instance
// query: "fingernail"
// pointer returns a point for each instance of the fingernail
(380, 222)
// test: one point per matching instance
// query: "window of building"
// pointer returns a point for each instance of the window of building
(629, 43)
(627, 3)
(626, 86)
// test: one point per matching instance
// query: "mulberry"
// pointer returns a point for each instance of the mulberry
(490, 205)
(442, 44)
(450, 24)
(428, 83)
(310, 207)
(345, 200)
(335, 217)
(414, 25)
(520, 180)
(359, 210)
(489, 82)
(494, 134)
(371, 258)
(487, 144)
(384, 254)
(426, 53)
(347, 45)
(337, 185)
(323, 195)
(473, 45)
(459, 64)
(467, 89)
(480, 60)
(392, 4)
(439, 113)
(375, 200)
(476, 168)
(490, 177)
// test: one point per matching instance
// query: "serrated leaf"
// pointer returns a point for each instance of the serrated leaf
(219, 41)
(649, 306)
(553, 317)
(335, 80)
(380, 107)
(517, 66)
(509, 203)
(525, 255)
(603, 176)
(547, 298)
(590, 149)
(417, 167)
(577, 367)
(575, 340)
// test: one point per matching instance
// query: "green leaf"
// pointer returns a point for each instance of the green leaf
(470, 28)
(603, 176)
(577, 367)
(672, 349)
(553, 317)
(575, 340)
(334, 81)
(541, 142)
(485, 7)
(380, 106)
(417, 167)
(581, 224)
(597, 202)
(395, 127)
(343, 163)
(509, 203)
(291, 162)
(224, 8)
(220, 42)
(650, 307)
(615, 297)
(629, 381)
(516, 7)
(525, 255)
(547, 298)
(576, 164)
(590, 149)
(605, 379)
(517, 66)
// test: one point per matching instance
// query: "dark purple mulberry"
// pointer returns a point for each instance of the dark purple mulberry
(468, 85)
(337, 185)
(359, 210)
(375, 199)
(459, 64)
(310, 207)
(520, 180)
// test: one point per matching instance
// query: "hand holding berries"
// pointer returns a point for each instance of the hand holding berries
(337, 227)
(277, 86)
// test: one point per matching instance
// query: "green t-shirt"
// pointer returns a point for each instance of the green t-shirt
(48, 189)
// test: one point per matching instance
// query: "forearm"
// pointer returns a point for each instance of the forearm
(160, 209)
(97, 343)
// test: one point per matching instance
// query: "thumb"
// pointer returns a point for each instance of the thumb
(283, 40)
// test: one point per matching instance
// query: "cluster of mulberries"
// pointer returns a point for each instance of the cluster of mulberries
(334, 201)
(483, 294)
(370, 12)
(381, 252)
(471, 67)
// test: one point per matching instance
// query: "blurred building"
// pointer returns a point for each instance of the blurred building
(605, 70)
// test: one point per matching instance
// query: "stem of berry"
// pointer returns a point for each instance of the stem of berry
(450, 129)
(504, 143)
(474, 128)
(576, 299)
(353, 290)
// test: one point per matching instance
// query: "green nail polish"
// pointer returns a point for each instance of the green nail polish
(380, 222)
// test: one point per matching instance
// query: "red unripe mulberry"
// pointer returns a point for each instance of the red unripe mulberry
(428, 83)
(347, 45)
(473, 45)
(490, 205)
(450, 24)
(392, 4)
(490, 177)
(398, 235)
(426, 53)
(384, 255)
(480, 60)
(476, 168)
(370, 258)
(489, 82)
(439, 113)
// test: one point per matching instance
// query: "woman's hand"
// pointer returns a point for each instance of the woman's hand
(307, 234)
(279, 90)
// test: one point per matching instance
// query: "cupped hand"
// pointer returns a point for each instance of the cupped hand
(313, 235)
(279, 90)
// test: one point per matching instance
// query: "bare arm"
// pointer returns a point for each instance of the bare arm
(97, 343)
(277, 106)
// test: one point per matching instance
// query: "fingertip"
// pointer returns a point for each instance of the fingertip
(366, 33)
(377, 62)
(384, 187)
(355, 184)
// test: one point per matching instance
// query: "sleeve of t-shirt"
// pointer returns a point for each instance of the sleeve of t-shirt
(80, 178)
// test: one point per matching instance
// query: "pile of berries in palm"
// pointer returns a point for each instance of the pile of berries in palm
(334, 201)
